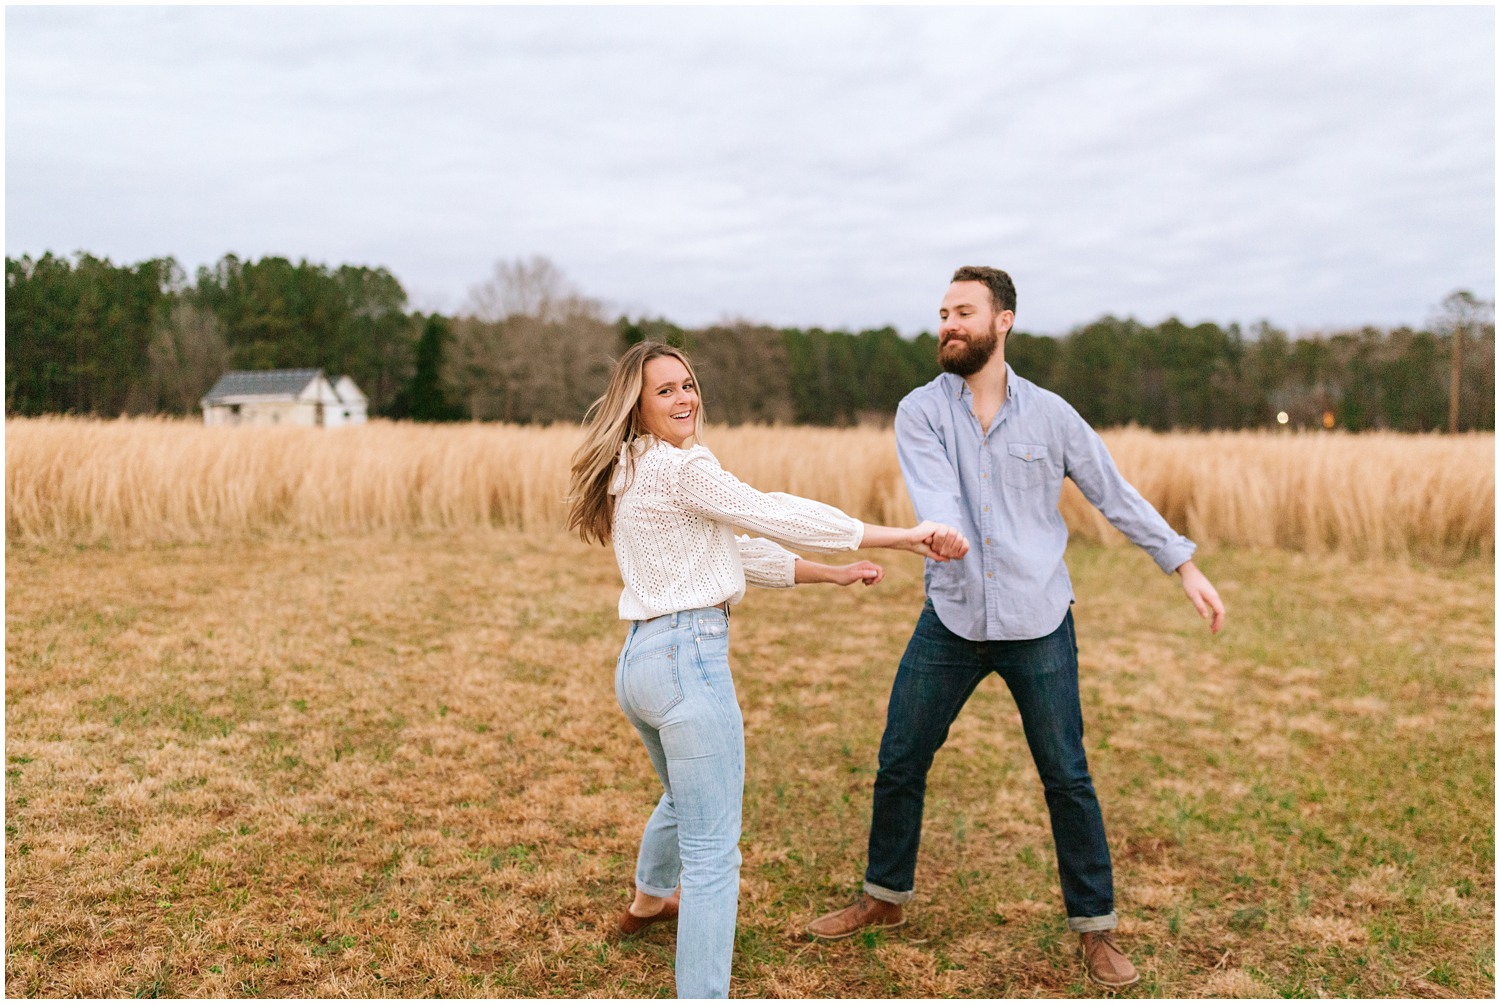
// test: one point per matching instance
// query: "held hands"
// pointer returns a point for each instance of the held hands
(929, 539)
(936, 541)
(1203, 595)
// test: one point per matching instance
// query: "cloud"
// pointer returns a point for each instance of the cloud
(1317, 167)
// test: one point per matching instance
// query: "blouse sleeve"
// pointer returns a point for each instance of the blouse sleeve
(767, 564)
(705, 488)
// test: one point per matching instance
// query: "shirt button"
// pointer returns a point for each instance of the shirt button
(989, 575)
(988, 541)
(986, 508)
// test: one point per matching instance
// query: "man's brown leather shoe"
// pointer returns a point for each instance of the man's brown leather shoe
(631, 924)
(866, 912)
(1106, 964)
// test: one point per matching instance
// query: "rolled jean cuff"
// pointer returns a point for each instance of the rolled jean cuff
(1083, 925)
(651, 890)
(888, 895)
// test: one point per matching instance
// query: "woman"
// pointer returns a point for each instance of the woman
(670, 511)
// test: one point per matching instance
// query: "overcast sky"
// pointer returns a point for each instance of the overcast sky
(1323, 167)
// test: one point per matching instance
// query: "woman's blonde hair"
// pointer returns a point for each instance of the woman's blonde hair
(610, 423)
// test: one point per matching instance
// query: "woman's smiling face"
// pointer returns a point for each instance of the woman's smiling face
(669, 400)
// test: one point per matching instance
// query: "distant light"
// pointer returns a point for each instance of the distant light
(1327, 419)
(1283, 418)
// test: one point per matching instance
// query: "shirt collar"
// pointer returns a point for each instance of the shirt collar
(1011, 382)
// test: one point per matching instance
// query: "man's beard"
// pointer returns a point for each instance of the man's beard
(968, 358)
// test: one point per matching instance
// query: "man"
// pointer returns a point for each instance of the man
(986, 451)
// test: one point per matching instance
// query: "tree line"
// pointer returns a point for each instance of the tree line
(86, 336)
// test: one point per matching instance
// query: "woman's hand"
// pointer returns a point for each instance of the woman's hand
(861, 571)
(839, 575)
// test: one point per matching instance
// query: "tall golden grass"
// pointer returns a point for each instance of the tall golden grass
(149, 481)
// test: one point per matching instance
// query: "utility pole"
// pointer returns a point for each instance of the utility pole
(1455, 380)
(1461, 311)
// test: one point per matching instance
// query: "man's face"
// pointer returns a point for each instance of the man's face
(970, 331)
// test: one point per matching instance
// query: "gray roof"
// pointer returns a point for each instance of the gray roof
(277, 382)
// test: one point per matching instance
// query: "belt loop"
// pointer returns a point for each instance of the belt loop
(676, 615)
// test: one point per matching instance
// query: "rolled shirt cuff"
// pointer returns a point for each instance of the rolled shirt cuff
(1171, 557)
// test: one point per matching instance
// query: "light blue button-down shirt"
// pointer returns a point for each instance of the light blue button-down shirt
(1001, 489)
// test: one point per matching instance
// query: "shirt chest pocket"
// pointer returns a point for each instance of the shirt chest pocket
(1025, 465)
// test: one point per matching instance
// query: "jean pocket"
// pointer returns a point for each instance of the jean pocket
(711, 639)
(1025, 465)
(651, 682)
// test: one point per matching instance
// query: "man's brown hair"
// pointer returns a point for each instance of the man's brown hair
(1002, 290)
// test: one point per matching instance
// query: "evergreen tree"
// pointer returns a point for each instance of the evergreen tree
(424, 398)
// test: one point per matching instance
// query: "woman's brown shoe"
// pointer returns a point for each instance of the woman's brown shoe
(867, 911)
(631, 924)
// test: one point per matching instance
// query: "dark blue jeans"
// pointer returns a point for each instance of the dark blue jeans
(937, 674)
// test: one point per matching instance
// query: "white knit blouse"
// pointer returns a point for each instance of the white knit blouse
(675, 511)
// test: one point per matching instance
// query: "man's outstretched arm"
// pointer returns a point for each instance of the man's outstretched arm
(1093, 470)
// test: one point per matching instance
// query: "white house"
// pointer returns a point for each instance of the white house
(283, 397)
(355, 405)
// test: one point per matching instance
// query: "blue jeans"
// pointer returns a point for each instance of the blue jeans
(937, 674)
(673, 683)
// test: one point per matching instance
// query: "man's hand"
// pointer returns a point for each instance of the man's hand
(939, 542)
(1202, 594)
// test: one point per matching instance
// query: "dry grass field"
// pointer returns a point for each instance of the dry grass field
(148, 481)
(390, 764)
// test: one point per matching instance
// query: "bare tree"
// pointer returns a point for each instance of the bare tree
(557, 369)
(1461, 316)
(534, 288)
(478, 367)
(532, 348)
(186, 355)
(743, 366)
